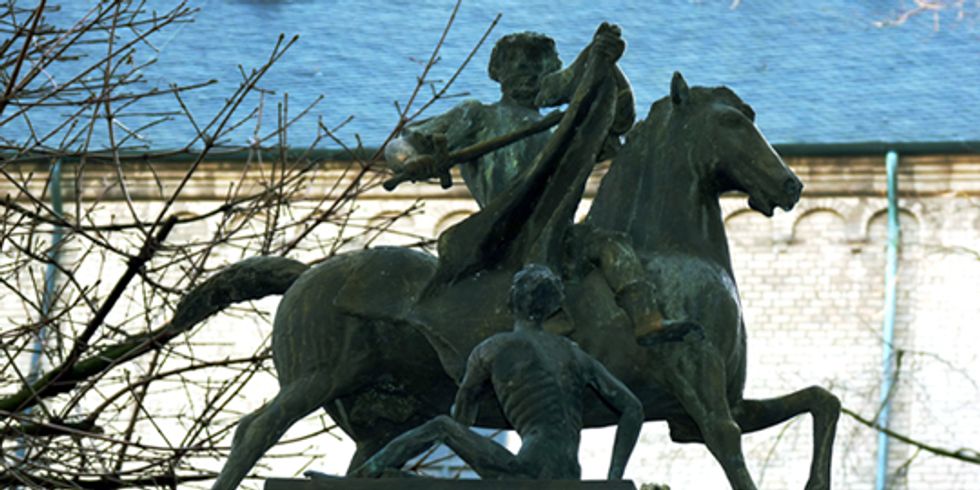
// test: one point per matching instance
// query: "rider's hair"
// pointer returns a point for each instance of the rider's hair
(532, 42)
(536, 293)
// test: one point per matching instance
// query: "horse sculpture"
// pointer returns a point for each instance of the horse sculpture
(388, 363)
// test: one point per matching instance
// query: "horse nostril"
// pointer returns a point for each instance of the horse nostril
(793, 187)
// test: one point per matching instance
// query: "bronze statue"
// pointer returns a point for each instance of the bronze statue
(379, 338)
(527, 67)
(540, 379)
(519, 62)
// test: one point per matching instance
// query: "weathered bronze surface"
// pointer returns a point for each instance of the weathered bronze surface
(528, 57)
(527, 68)
(379, 338)
(540, 380)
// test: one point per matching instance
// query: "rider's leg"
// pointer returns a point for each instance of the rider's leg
(627, 278)
(487, 458)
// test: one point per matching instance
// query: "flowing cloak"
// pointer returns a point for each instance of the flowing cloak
(464, 297)
(525, 224)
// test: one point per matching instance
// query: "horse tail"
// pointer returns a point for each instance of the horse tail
(249, 279)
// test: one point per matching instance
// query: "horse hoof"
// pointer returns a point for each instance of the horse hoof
(319, 475)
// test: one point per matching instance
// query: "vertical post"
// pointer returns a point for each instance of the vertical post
(888, 327)
(50, 282)
(50, 274)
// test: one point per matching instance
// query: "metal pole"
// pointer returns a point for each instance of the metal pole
(888, 327)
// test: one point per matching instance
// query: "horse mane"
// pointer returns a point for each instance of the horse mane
(633, 168)
(660, 109)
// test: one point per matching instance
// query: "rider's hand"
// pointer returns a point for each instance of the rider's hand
(608, 40)
(398, 152)
(557, 88)
(423, 167)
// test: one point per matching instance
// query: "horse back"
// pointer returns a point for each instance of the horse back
(337, 306)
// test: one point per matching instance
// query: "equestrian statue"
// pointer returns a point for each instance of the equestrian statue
(379, 338)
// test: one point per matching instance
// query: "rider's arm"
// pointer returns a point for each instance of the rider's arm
(457, 125)
(558, 87)
(475, 384)
(423, 147)
(614, 392)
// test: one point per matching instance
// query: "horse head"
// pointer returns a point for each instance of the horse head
(727, 148)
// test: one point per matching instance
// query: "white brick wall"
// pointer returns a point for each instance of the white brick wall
(812, 284)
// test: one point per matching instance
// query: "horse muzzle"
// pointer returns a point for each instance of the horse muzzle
(791, 190)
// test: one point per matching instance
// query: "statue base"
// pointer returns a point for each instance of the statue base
(438, 484)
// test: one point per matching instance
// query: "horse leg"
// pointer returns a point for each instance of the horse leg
(366, 449)
(696, 377)
(753, 415)
(487, 458)
(259, 430)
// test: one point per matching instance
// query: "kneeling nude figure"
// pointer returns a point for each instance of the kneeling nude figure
(540, 380)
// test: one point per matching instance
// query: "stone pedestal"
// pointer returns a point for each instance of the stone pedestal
(437, 484)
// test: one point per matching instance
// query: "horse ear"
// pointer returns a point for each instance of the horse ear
(678, 89)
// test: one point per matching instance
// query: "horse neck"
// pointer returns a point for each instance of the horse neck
(688, 216)
(661, 202)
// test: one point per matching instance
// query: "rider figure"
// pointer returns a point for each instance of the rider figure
(528, 69)
(540, 380)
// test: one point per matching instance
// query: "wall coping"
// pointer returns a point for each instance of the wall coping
(823, 176)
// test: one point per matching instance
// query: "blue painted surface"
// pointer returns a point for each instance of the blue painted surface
(816, 72)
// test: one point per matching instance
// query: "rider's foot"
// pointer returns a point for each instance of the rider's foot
(672, 331)
(640, 303)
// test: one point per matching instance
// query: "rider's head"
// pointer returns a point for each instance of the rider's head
(536, 293)
(519, 61)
